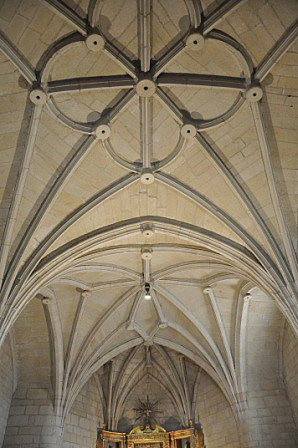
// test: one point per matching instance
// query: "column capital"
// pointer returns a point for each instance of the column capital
(247, 297)
(86, 294)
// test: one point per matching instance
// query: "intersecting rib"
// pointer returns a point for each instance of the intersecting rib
(227, 7)
(64, 11)
(168, 57)
(146, 130)
(90, 83)
(281, 46)
(192, 80)
(144, 33)
(17, 59)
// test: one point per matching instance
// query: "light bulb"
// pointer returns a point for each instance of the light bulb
(147, 289)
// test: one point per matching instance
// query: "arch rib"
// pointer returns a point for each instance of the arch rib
(126, 390)
(241, 321)
(144, 33)
(103, 360)
(194, 8)
(173, 299)
(7, 236)
(205, 366)
(277, 51)
(17, 59)
(90, 83)
(178, 397)
(245, 200)
(177, 381)
(119, 380)
(73, 336)
(52, 194)
(225, 218)
(56, 342)
(220, 13)
(71, 219)
(28, 286)
(67, 14)
(277, 205)
(88, 339)
(223, 333)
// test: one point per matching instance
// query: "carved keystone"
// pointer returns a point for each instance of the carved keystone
(147, 177)
(147, 231)
(188, 131)
(145, 87)
(95, 42)
(195, 41)
(254, 94)
(86, 294)
(38, 97)
(103, 131)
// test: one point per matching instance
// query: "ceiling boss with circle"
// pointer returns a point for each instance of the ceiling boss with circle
(149, 214)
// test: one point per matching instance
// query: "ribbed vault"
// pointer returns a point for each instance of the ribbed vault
(146, 143)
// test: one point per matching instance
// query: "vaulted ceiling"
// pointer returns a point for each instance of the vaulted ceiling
(149, 142)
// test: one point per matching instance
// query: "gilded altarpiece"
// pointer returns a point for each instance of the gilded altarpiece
(109, 439)
(151, 437)
(148, 437)
(193, 437)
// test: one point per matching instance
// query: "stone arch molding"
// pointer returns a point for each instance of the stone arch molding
(23, 279)
(84, 255)
(146, 82)
(201, 29)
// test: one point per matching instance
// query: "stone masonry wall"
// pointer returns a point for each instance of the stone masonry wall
(31, 421)
(6, 385)
(215, 415)
(290, 368)
(269, 418)
(80, 428)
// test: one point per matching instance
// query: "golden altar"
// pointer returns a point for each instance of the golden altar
(151, 437)
(148, 437)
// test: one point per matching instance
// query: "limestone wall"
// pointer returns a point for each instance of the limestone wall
(31, 421)
(290, 368)
(269, 418)
(215, 415)
(6, 385)
(272, 394)
(80, 428)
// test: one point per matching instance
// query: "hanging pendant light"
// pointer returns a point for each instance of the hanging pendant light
(147, 289)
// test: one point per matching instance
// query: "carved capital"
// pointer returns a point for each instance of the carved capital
(163, 324)
(146, 253)
(130, 326)
(86, 294)
(247, 297)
